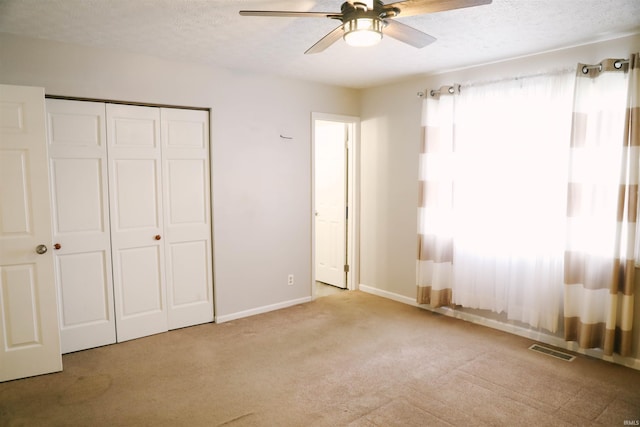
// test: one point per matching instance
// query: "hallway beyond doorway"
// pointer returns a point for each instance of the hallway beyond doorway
(323, 290)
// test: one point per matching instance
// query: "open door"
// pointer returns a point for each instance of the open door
(29, 334)
(331, 140)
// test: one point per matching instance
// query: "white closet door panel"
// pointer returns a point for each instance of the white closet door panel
(140, 293)
(136, 202)
(85, 280)
(186, 129)
(78, 187)
(75, 124)
(78, 158)
(136, 220)
(187, 180)
(29, 334)
(86, 300)
(187, 218)
(190, 301)
(187, 260)
(140, 274)
(135, 132)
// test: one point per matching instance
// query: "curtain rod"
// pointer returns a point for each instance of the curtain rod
(451, 89)
(585, 69)
(457, 86)
(617, 65)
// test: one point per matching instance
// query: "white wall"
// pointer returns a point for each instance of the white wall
(390, 135)
(261, 183)
(389, 160)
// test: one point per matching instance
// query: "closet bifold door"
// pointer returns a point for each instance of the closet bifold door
(131, 220)
(80, 218)
(135, 204)
(187, 216)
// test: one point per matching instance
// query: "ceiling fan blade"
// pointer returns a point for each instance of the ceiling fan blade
(326, 41)
(287, 14)
(407, 34)
(419, 7)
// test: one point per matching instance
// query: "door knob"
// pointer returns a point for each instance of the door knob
(57, 246)
(158, 237)
(41, 249)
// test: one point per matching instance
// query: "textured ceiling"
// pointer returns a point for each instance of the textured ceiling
(212, 32)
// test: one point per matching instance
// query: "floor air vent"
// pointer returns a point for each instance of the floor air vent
(553, 353)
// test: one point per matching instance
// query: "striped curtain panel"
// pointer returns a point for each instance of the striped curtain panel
(435, 198)
(602, 206)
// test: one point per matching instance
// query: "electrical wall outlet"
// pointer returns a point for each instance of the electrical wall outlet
(290, 280)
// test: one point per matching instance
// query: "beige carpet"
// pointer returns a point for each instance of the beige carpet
(349, 359)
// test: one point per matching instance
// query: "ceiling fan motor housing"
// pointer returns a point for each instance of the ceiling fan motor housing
(357, 10)
(361, 26)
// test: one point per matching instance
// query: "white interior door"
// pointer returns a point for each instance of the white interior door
(29, 335)
(81, 232)
(135, 204)
(187, 216)
(330, 201)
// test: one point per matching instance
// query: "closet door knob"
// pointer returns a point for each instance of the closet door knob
(57, 246)
(41, 249)
(158, 237)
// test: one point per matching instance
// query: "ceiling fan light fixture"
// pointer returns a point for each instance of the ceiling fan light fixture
(361, 32)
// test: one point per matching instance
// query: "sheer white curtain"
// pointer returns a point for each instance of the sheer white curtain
(511, 150)
(493, 212)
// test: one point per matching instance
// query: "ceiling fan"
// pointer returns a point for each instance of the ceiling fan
(363, 24)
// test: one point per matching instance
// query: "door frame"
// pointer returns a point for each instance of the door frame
(353, 197)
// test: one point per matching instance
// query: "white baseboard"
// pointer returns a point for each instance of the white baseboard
(545, 338)
(389, 295)
(260, 310)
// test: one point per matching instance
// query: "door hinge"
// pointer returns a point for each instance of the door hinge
(346, 268)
